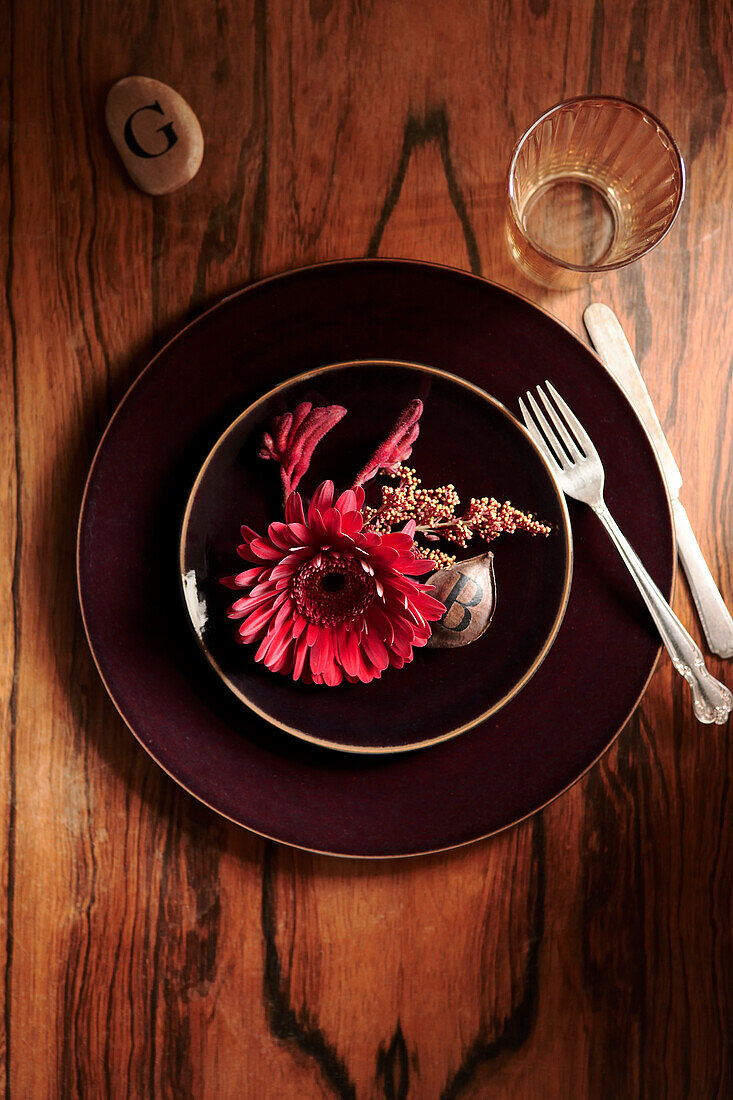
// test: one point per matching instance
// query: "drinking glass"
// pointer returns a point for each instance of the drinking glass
(595, 183)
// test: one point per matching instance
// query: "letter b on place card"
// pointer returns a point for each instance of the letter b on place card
(469, 593)
(155, 132)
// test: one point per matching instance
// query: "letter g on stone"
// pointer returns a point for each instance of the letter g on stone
(134, 145)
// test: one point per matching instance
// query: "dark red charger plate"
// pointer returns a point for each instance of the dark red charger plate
(277, 785)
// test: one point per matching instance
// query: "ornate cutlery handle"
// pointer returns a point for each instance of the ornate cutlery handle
(711, 700)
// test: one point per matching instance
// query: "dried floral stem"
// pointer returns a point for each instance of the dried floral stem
(423, 527)
(434, 511)
(397, 447)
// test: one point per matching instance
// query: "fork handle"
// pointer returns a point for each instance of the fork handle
(711, 700)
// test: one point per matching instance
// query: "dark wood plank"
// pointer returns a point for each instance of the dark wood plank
(152, 949)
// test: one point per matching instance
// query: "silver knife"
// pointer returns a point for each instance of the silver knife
(612, 346)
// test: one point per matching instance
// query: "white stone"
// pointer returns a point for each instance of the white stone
(155, 132)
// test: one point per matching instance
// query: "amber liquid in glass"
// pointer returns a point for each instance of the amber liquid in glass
(593, 184)
(572, 220)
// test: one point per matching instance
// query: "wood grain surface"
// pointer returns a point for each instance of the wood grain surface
(155, 950)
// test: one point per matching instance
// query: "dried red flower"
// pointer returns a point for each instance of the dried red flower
(294, 436)
(397, 447)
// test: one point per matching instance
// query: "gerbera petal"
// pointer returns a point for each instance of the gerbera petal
(282, 571)
(417, 566)
(294, 509)
(265, 549)
(352, 523)
(274, 648)
(429, 607)
(332, 522)
(367, 671)
(245, 604)
(319, 534)
(299, 625)
(397, 583)
(322, 498)
(422, 636)
(233, 582)
(264, 645)
(403, 638)
(248, 577)
(382, 556)
(248, 554)
(283, 664)
(398, 540)
(376, 650)
(262, 588)
(348, 650)
(279, 535)
(321, 652)
(376, 619)
(301, 652)
(298, 534)
(284, 614)
(287, 565)
(346, 502)
(252, 626)
(332, 675)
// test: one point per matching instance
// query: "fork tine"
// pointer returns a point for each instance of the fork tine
(565, 435)
(561, 459)
(535, 433)
(581, 434)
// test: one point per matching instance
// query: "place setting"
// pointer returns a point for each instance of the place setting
(344, 558)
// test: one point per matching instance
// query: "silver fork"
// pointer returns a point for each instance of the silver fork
(579, 473)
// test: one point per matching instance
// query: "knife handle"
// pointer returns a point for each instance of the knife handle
(715, 617)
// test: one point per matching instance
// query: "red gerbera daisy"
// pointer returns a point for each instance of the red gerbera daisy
(328, 600)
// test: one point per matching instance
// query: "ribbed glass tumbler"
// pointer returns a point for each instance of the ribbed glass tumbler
(594, 184)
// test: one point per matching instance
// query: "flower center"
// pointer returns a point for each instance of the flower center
(335, 590)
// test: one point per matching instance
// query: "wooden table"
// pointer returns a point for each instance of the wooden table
(153, 949)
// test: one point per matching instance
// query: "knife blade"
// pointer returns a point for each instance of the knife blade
(609, 340)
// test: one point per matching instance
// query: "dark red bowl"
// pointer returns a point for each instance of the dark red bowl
(467, 439)
(366, 805)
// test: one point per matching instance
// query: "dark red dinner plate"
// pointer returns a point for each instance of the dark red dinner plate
(466, 439)
(271, 782)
